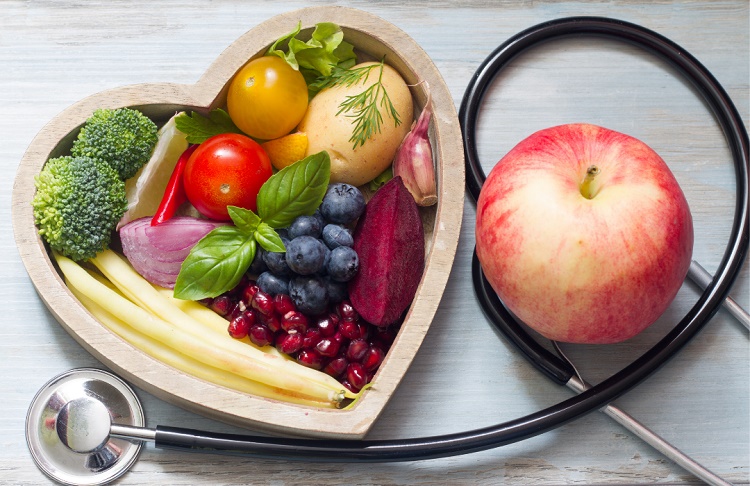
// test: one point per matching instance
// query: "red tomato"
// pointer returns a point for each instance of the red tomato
(225, 170)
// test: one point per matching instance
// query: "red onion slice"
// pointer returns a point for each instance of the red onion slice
(157, 252)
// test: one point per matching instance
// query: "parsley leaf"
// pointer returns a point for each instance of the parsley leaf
(199, 128)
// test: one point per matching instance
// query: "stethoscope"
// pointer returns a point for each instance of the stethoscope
(74, 440)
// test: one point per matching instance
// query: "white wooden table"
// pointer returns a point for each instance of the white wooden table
(55, 53)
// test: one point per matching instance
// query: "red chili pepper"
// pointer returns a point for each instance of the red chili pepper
(174, 194)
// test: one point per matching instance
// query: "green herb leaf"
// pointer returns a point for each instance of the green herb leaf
(269, 239)
(215, 264)
(325, 49)
(245, 220)
(381, 179)
(295, 190)
(199, 128)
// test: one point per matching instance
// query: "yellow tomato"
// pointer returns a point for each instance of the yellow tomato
(267, 98)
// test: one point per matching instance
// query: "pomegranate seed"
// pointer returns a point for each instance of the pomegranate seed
(236, 310)
(350, 329)
(250, 316)
(356, 375)
(372, 359)
(283, 304)
(222, 305)
(272, 321)
(348, 386)
(336, 367)
(357, 349)
(238, 327)
(262, 302)
(260, 335)
(339, 337)
(385, 334)
(328, 325)
(346, 310)
(310, 358)
(249, 291)
(242, 286)
(294, 321)
(328, 347)
(289, 343)
(312, 338)
(364, 330)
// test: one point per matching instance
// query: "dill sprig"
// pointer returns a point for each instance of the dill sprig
(364, 107)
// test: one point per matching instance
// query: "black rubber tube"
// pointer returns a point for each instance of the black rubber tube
(597, 396)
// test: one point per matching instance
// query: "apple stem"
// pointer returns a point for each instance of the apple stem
(588, 190)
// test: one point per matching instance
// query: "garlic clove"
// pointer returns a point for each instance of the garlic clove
(414, 162)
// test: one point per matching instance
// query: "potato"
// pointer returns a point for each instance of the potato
(330, 132)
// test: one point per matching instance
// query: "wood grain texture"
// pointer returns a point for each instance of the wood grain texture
(56, 53)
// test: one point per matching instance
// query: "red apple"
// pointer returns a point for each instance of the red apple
(584, 234)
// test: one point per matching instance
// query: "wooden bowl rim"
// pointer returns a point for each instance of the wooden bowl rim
(191, 393)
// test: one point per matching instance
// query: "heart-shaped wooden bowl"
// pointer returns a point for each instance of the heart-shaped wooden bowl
(372, 37)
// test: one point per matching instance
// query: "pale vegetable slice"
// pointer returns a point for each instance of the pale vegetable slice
(258, 366)
(147, 298)
(146, 189)
(186, 364)
(213, 321)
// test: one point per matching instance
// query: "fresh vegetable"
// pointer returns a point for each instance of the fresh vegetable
(317, 57)
(353, 121)
(144, 190)
(198, 128)
(123, 137)
(78, 202)
(413, 161)
(145, 310)
(157, 252)
(188, 365)
(218, 262)
(267, 98)
(390, 230)
(225, 170)
(174, 193)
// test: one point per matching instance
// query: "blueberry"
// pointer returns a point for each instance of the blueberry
(319, 216)
(309, 294)
(305, 255)
(343, 203)
(276, 261)
(283, 234)
(273, 284)
(337, 291)
(258, 266)
(336, 235)
(344, 264)
(305, 226)
(324, 270)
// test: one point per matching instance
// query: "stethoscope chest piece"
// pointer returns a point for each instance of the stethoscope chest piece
(68, 427)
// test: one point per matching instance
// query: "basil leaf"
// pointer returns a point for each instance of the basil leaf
(199, 128)
(269, 239)
(215, 264)
(295, 190)
(245, 220)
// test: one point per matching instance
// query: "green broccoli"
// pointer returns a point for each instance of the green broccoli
(122, 137)
(77, 205)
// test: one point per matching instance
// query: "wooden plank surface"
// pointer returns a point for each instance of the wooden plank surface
(55, 53)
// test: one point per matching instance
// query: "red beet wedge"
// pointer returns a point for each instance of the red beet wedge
(390, 243)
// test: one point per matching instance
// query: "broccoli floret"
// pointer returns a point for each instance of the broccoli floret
(77, 205)
(122, 137)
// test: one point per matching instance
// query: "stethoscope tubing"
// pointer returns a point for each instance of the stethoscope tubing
(337, 450)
